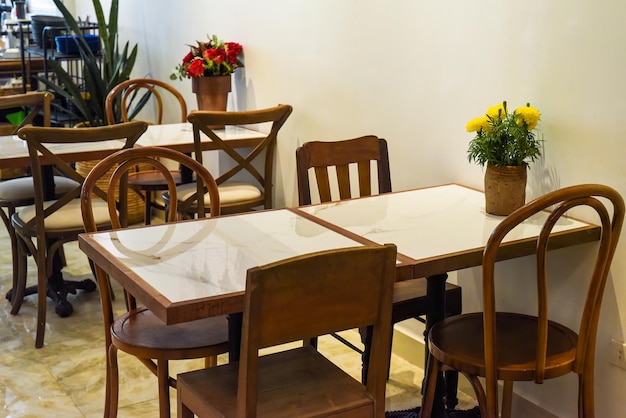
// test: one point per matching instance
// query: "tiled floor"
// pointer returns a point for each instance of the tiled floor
(65, 378)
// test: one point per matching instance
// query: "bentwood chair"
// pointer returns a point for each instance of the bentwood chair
(138, 332)
(528, 346)
(127, 99)
(301, 382)
(46, 225)
(254, 187)
(17, 192)
(327, 166)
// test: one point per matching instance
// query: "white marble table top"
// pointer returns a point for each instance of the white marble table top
(195, 260)
(14, 151)
(444, 223)
(180, 136)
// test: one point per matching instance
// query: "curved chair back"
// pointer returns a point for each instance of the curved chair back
(126, 161)
(124, 101)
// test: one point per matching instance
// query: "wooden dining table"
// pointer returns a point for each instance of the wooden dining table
(178, 136)
(194, 269)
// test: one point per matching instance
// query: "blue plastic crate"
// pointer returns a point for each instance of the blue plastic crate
(68, 44)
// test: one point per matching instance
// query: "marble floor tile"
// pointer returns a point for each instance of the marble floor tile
(66, 377)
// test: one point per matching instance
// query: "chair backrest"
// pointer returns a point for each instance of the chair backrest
(205, 121)
(39, 139)
(126, 99)
(117, 190)
(32, 103)
(318, 291)
(340, 155)
(595, 198)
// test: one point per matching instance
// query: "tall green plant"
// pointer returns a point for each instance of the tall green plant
(116, 66)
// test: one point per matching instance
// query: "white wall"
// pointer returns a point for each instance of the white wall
(415, 72)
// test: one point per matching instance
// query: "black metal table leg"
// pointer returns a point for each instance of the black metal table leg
(436, 291)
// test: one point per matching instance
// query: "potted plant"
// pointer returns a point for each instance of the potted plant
(100, 72)
(506, 143)
(209, 65)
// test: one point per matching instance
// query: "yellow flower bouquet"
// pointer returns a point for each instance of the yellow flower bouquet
(505, 139)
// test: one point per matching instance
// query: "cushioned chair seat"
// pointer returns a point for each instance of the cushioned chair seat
(230, 192)
(70, 216)
(23, 188)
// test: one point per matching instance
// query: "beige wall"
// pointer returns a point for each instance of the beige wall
(415, 72)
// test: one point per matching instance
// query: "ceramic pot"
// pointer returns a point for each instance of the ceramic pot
(212, 92)
(505, 189)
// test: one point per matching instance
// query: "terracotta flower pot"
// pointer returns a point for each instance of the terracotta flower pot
(505, 189)
(212, 92)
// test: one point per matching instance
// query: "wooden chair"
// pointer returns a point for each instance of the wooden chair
(410, 299)
(16, 192)
(138, 332)
(46, 225)
(318, 291)
(125, 99)
(512, 346)
(243, 194)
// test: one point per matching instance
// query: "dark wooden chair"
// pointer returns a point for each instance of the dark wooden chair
(410, 299)
(46, 225)
(19, 191)
(512, 346)
(255, 190)
(130, 96)
(301, 381)
(138, 332)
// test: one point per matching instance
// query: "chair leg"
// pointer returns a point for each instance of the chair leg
(432, 370)
(480, 396)
(210, 362)
(112, 383)
(42, 302)
(507, 399)
(147, 203)
(163, 377)
(182, 411)
(19, 287)
(586, 405)
(6, 218)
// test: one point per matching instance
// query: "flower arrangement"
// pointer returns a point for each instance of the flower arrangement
(503, 138)
(212, 58)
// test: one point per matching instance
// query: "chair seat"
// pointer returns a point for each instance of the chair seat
(230, 192)
(68, 217)
(283, 378)
(151, 180)
(139, 330)
(23, 188)
(458, 342)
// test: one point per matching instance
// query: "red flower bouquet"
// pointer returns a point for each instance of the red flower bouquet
(212, 58)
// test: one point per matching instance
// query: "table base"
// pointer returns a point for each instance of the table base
(57, 290)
